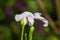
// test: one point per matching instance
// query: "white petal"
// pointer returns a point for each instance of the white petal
(31, 21)
(18, 17)
(26, 14)
(37, 15)
(46, 23)
(44, 20)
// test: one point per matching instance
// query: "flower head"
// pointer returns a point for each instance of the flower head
(31, 17)
(27, 15)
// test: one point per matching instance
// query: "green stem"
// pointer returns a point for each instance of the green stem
(30, 36)
(31, 32)
(22, 33)
(25, 36)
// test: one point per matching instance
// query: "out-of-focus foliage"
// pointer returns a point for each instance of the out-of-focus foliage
(2, 2)
(6, 32)
(10, 3)
(32, 5)
(47, 29)
(15, 27)
(50, 7)
(2, 14)
(36, 35)
(52, 37)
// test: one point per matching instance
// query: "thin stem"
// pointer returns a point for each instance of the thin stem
(58, 10)
(30, 35)
(31, 32)
(22, 33)
(25, 36)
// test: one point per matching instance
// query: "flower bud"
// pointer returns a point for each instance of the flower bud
(32, 28)
(24, 21)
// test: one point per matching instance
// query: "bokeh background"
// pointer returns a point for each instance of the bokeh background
(11, 30)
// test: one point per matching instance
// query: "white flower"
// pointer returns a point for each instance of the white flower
(31, 17)
(27, 15)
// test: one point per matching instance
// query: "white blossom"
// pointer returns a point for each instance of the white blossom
(31, 17)
(27, 15)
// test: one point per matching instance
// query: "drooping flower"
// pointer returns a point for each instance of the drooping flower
(31, 17)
